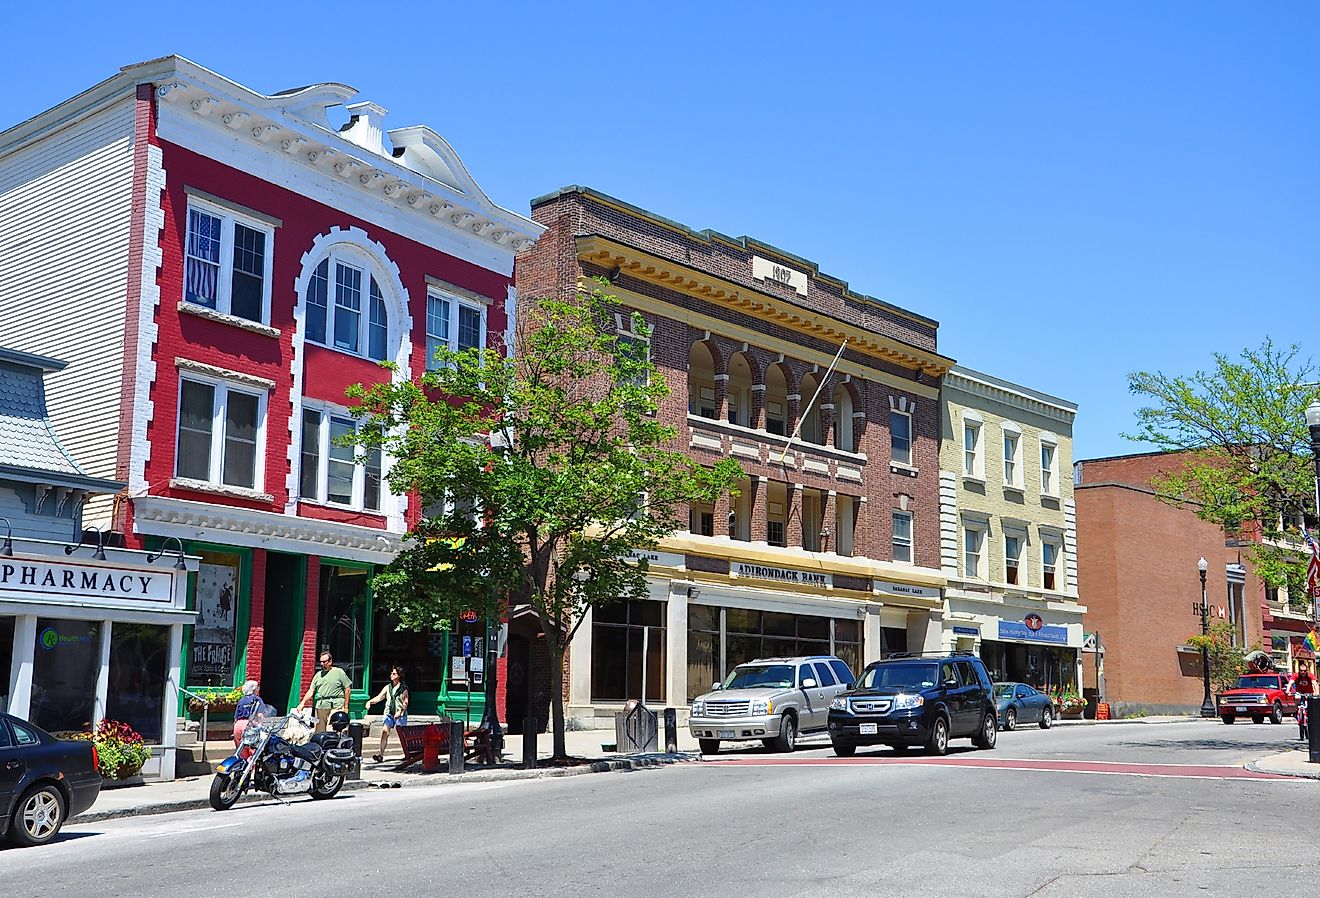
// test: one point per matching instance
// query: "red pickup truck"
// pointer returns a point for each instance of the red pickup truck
(1258, 695)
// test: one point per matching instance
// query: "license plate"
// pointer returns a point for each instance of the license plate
(866, 729)
(1241, 710)
(725, 734)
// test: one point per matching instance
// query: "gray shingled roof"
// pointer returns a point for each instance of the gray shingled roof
(26, 437)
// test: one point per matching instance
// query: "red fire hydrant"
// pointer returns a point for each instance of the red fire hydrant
(431, 749)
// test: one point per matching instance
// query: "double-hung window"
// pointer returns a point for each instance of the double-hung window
(453, 324)
(1049, 477)
(900, 437)
(1012, 456)
(974, 551)
(345, 308)
(973, 459)
(330, 472)
(221, 433)
(1050, 552)
(227, 262)
(903, 536)
(1013, 548)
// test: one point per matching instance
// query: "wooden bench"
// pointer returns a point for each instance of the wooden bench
(477, 744)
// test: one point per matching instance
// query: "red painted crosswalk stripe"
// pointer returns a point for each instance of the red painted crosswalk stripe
(1119, 768)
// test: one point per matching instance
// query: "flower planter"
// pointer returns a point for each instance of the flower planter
(219, 706)
(1072, 713)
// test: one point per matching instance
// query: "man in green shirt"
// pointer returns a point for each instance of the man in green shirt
(329, 691)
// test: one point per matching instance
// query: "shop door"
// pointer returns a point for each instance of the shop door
(281, 654)
(518, 678)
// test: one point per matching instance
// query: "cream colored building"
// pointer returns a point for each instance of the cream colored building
(1008, 531)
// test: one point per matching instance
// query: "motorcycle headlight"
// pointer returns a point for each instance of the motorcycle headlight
(762, 706)
(904, 702)
(839, 704)
(698, 708)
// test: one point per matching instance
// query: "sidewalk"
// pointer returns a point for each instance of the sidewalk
(1171, 718)
(1287, 763)
(193, 793)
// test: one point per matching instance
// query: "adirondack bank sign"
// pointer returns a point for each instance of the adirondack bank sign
(782, 575)
(52, 581)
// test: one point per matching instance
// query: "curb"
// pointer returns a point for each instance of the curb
(1141, 720)
(1255, 767)
(436, 779)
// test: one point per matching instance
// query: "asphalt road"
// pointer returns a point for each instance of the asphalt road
(871, 825)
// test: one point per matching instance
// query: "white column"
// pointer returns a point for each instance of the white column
(871, 638)
(169, 715)
(102, 673)
(20, 671)
(676, 623)
(579, 666)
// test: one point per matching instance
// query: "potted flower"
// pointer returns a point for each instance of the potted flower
(222, 701)
(119, 748)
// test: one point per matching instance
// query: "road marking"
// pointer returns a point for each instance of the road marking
(1110, 768)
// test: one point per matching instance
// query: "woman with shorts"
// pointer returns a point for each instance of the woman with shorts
(395, 697)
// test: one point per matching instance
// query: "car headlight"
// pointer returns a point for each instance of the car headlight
(839, 704)
(762, 706)
(698, 708)
(904, 702)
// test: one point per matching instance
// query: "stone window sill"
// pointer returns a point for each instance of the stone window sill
(191, 308)
(233, 492)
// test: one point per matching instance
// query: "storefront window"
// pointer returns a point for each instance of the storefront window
(703, 649)
(6, 659)
(342, 629)
(212, 659)
(1047, 668)
(65, 664)
(421, 654)
(848, 643)
(624, 636)
(138, 663)
(895, 640)
(772, 634)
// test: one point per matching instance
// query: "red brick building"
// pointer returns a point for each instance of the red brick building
(833, 543)
(1137, 567)
(221, 264)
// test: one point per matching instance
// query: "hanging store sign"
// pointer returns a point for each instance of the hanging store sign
(781, 575)
(1018, 630)
(53, 581)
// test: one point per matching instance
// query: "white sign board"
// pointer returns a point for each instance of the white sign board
(906, 590)
(766, 270)
(53, 581)
(659, 559)
(458, 669)
(781, 575)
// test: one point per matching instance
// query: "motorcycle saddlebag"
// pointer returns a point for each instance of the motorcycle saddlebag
(339, 761)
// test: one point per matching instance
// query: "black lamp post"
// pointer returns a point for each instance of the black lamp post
(1207, 704)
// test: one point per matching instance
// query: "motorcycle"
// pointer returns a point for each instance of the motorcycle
(270, 759)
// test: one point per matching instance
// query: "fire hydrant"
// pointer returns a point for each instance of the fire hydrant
(431, 749)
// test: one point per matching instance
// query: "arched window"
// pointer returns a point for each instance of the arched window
(843, 419)
(701, 382)
(776, 401)
(740, 390)
(810, 413)
(345, 307)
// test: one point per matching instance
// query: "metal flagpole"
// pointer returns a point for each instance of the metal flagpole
(802, 414)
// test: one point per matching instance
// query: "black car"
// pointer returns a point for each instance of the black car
(908, 700)
(43, 781)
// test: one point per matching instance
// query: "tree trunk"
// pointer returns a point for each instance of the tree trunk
(557, 697)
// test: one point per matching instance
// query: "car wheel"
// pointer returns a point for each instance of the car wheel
(938, 743)
(787, 739)
(37, 817)
(987, 736)
(1276, 714)
(1047, 718)
(1228, 718)
(844, 749)
(1257, 718)
(709, 746)
(1010, 719)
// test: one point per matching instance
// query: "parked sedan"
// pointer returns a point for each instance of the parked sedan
(43, 781)
(1019, 703)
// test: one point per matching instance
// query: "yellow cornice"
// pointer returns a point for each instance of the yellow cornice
(675, 276)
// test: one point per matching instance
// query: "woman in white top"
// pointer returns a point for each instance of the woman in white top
(395, 696)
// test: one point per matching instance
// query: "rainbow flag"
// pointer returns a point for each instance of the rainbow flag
(1312, 641)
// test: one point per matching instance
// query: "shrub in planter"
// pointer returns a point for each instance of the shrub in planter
(222, 700)
(119, 748)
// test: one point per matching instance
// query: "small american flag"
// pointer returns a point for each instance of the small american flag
(1313, 566)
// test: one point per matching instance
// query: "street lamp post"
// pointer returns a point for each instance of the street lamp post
(1313, 423)
(1207, 704)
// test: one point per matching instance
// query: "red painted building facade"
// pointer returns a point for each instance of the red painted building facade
(258, 258)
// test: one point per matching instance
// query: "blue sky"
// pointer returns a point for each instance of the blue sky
(1074, 191)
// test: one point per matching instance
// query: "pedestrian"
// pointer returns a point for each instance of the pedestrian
(329, 691)
(395, 696)
(246, 707)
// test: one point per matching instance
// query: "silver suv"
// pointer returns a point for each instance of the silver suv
(771, 699)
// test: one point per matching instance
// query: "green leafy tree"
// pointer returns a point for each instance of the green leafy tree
(1227, 661)
(538, 476)
(1248, 461)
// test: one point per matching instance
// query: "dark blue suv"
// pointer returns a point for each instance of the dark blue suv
(908, 700)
